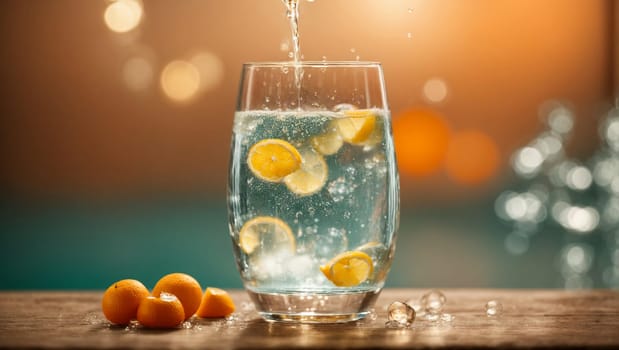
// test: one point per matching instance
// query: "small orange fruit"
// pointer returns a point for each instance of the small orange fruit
(184, 287)
(121, 300)
(216, 303)
(166, 311)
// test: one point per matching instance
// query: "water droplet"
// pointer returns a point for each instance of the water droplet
(432, 317)
(372, 316)
(132, 326)
(394, 324)
(409, 35)
(247, 306)
(494, 308)
(410, 10)
(416, 304)
(93, 318)
(401, 313)
(433, 302)
(447, 318)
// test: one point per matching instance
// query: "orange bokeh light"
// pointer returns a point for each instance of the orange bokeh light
(421, 139)
(472, 157)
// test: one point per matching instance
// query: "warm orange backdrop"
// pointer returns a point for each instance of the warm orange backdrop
(70, 126)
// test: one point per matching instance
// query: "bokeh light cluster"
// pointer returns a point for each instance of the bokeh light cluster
(180, 80)
(579, 198)
(426, 143)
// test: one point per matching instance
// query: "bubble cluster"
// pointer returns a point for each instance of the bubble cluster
(581, 198)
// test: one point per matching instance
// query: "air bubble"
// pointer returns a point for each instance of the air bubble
(339, 189)
(343, 107)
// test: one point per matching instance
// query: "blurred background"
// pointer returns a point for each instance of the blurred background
(116, 121)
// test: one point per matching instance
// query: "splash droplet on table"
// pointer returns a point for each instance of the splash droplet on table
(494, 308)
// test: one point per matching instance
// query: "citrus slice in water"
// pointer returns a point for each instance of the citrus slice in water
(329, 142)
(311, 177)
(369, 245)
(266, 232)
(348, 269)
(357, 126)
(272, 159)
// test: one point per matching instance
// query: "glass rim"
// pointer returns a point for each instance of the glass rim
(318, 64)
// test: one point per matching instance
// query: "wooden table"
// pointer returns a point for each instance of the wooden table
(531, 319)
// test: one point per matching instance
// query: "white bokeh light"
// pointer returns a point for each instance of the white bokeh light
(137, 73)
(610, 130)
(516, 243)
(523, 207)
(122, 16)
(561, 120)
(579, 219)
(180, 81)
(577, 258)
(528, 161)
(579, 178)
(549, 145)
(605, 171)
(211, 69)
(435, 90)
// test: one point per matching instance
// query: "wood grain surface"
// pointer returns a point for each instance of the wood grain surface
(530, 319)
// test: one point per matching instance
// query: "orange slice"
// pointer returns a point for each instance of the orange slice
(216, 303)
(357, 126)
(329, 142)
(311, 177)
(267, 230)
(348, 269)
(273, 159)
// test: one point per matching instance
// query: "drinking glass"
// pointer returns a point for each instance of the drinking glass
(313, 191)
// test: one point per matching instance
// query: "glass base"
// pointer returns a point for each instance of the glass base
(304, 307)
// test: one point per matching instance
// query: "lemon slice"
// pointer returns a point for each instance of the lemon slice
(348, 269)
(273, 159)
(311, 177)
(357, 126)
(266, 232)
(329, 142)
